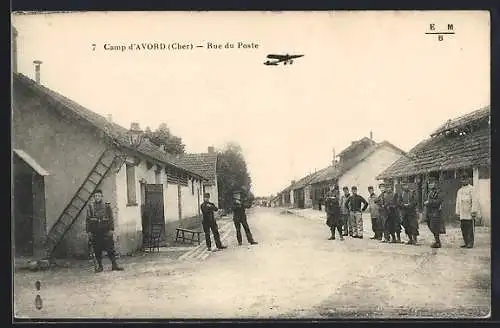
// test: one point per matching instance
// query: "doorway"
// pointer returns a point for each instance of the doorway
(153, 212)
(23, 214)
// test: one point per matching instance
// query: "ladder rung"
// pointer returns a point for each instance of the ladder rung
(90, 192)
(93, 182)
(81, 199)
(101, 164)
(73, 205)
(67, 215)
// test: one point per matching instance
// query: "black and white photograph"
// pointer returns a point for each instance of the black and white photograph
(251, 165)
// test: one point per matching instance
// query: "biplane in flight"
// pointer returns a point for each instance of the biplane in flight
(285, 59)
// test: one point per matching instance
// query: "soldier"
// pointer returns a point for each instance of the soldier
(209, 223)
(434, 218)
(240, 219)
(354, 205)
(408, 207)
(396, 223)
(333, 218)
(374, 213)
(380, 201)
(344, 212)
(466, 208)
(387, 211)
(100, 227)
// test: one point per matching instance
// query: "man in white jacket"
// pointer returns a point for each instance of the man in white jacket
(466, 208)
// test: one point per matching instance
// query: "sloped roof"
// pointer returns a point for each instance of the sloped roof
(305, 180)
(31, 162)
(326, 174)
(466, 119)
(205, 163)
(354, 144)
(114, 131)
(443, 152)
(331, 172)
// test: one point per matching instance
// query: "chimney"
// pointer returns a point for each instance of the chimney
(110, 117)
(37, 70)
(333, 158)
(371, 135)
(134, 126)
(293, 182)
(14, 50)
(211, 150)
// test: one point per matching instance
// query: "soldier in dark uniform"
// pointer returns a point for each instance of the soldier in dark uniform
(397, 216)
(382, 218)
(240, 219)
(387, 209)
(209, 223)
(333, 218)
(433, 204)
(408, 207)
(100, 227)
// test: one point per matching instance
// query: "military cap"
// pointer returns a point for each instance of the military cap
(354, 188)
(432, 179)
(345, 188)
(206, 195)
(98, 191)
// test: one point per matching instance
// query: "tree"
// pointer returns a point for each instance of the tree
(232, 174)
(162, 136)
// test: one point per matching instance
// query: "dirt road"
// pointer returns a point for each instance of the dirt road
(294, 272)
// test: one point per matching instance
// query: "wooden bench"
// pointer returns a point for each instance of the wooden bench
(180, 234)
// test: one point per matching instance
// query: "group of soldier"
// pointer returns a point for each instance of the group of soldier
(239, 219)
(100, 227)
(390, 210)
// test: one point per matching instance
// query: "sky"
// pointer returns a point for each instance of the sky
(361, 72)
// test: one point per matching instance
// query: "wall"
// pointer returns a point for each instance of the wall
(191, 218)
(67, 150)
(363, 174)
(292, 201)
(485, 201)
(307, 197)
(483, 188)
(172, 207)
(214, 192)
(190, 204)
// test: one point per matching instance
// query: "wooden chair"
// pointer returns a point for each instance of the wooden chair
(154, 237)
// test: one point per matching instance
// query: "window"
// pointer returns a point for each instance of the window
(158, 177)
(204, 190)
(192, 186)
(131, 187)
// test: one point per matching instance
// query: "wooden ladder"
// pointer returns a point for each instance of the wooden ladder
(79, 201)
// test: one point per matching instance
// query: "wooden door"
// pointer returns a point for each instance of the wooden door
(448, 190)
(153, 212)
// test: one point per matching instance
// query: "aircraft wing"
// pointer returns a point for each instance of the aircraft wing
(295, 56)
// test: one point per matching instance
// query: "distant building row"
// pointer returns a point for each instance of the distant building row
(459, 145)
